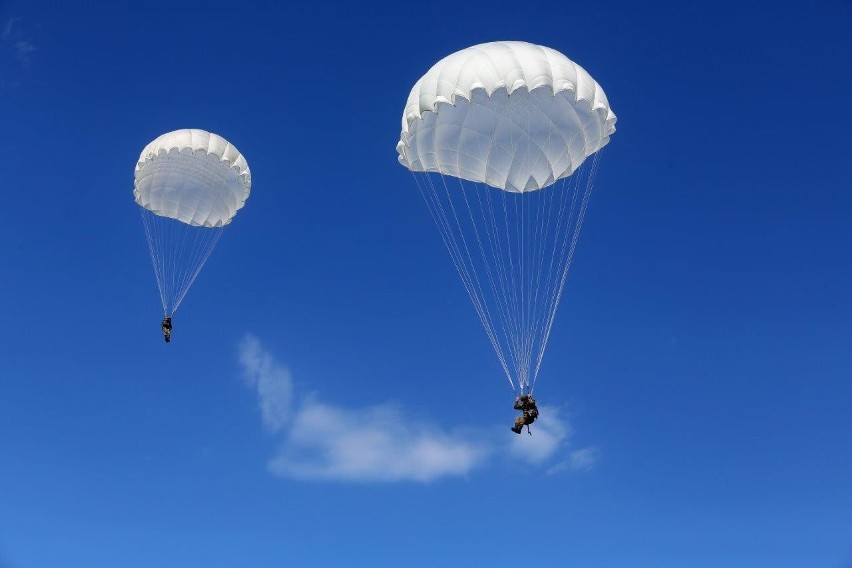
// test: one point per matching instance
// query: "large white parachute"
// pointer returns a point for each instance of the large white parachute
(189, 185)
(495, 136)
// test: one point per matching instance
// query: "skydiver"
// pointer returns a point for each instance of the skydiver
(526, 404)
(167, 328)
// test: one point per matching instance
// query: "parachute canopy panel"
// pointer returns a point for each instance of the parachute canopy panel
(193, 176)
(510, 114)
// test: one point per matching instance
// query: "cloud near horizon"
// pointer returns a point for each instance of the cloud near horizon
(324, 442)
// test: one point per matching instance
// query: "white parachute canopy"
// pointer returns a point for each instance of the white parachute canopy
(189, 185)
(495, 136)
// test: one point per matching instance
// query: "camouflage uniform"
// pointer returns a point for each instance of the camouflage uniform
(526, 404)
(167, 328)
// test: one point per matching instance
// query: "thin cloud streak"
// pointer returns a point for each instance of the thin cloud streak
(273, 383)
(7, 27)
(24, 49)
(584, 459)
(14, 35)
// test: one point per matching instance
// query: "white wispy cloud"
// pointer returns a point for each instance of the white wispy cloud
(382, 443)
(583, 459)
(24, 49)
(13, 34)
(325, 442)
(376, 443)
(8, 27)
(580, 460)
(273, 383)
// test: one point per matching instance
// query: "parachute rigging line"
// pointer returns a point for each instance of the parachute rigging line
(520, 128)
(513, 269)
(178, 253)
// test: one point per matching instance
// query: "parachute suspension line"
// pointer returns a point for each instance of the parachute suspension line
(511, 324)
(516, 280)
(436, 210)
(543, 217)
(520, 259)
(152, 248)
(481, 300)
(529, 241)
(203, 246)
(534, 241)
(512, 338)
(520, 230)
(578, 225)
(563, 219)
(528, 144)
(174, 268)
(178, 252)
(502, 309)
(562, 222)
(501, 299)
(154, 235)
(513, 285)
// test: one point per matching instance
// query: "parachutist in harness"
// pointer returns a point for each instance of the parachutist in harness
(167, 328)
(526, 404)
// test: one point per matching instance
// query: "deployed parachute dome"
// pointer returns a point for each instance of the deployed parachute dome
(521, 118)
(190, 184)
(511, 114)
(193, 176)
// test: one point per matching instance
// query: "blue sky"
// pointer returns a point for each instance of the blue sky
(697, 384)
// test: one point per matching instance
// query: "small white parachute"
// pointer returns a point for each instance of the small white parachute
(495, 136)
(189, 185)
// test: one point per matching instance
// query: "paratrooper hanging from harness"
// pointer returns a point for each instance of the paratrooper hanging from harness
(526, 404)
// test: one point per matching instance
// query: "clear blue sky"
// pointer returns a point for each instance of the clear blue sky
(697, 380)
